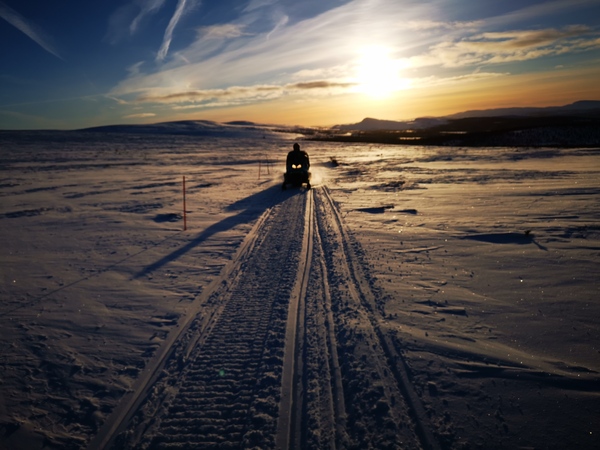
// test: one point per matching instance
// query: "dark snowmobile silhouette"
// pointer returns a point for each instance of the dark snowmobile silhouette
(297, 165)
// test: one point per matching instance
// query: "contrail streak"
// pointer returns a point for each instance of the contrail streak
(21, 24)
(164, 49)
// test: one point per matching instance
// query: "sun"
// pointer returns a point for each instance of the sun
(378, 74)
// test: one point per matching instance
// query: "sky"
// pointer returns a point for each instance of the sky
(70, 64)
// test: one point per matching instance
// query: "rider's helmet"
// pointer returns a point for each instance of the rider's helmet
(296, 146)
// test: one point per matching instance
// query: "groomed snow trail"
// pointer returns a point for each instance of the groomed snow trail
(285, 353)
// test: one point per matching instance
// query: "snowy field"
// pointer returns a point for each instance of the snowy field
(485, 261)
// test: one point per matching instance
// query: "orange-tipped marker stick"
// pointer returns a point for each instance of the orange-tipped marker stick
(184, 209)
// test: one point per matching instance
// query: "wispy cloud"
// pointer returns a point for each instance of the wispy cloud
(146, 8)
(236, 95)
(432, 81)
(509, 46)
(538, 11)
(425, 25)
(224, 31)
(139, 116)
(199, 96)
(320, 85)
(238, 63)
(134, 69)
(127, 20)
(228, 55)
(179, 12)
(281, 22)
(256, 4)
(28, 28)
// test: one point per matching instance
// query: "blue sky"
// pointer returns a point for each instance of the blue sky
(70, 64)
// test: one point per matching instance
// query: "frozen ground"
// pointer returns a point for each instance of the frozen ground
(483, 262)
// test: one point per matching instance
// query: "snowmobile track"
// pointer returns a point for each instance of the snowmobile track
(283, 350)
(362, 294)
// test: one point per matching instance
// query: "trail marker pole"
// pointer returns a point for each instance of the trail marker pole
(267, 164)
(184, 209)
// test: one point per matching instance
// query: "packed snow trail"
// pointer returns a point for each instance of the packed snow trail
(285, 352)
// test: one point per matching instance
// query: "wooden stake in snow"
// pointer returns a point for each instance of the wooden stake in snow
(184, 212)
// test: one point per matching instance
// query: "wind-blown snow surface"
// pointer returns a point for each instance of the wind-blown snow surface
(487, 260)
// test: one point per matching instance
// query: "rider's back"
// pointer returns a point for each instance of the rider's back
(297, 157)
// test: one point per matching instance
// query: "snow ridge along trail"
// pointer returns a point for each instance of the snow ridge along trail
(286, 353)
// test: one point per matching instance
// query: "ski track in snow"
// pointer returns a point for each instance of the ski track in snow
(262, 371)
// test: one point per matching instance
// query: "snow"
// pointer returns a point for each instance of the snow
(485, 262)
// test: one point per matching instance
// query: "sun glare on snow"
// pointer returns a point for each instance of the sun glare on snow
(378, 75)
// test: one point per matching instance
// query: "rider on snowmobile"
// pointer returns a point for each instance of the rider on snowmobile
(297, 165)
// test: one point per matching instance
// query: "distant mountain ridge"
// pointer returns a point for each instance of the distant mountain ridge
(371, 124)
(581, 106)
(444, 130)
(573, 125)
(189, 127)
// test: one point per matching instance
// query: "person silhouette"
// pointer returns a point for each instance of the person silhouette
(297, 165)
(297, 156)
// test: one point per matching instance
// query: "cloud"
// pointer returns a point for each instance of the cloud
(510, 40)
(117, 100)
(538, 11)
(250, 59)
(27, 28)
(228, 61)
(433, 81)
(164, 48)
(425, 25)
(320, 85)
(281, 22)
(509, 46)
(139, 116)
(147, 7)
(134, 69)
(224, 31)
(127, 20)
(256, 4)
(265, 54)
(199, 96)
(237, 95)
(120, 24)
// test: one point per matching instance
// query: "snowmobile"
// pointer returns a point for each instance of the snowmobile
(296, 176)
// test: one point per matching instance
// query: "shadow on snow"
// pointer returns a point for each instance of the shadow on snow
(251, 208)
(506, 238)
